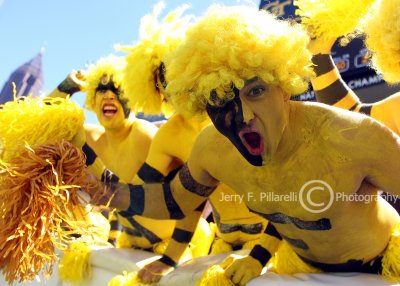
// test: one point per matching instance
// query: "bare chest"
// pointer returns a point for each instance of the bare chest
(121, 159)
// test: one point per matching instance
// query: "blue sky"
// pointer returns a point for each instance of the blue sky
(74, 33)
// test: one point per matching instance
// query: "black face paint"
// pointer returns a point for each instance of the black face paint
(159, 78)
(161, 75)
(117, 91)
(228, 119)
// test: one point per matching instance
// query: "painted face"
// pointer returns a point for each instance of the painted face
(161, 83)
(253, 120)
(109, 107)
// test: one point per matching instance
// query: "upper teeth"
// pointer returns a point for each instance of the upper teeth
(109, 108)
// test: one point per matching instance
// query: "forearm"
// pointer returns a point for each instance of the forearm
(267, 245)
(182, 236)
(148, 174)
(329, 87)
(170, 200)
(66, 88)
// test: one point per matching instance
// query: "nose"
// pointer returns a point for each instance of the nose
(108, 94)
(248, 114)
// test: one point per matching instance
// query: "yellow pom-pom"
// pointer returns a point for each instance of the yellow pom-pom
(35, 121)
(160, 247)
(124, 240)
(382, 29)
(391, 257)
(286, 261)
(126, 279)
(202, 238)
(331, 19)
(215, 275)
(220, 246)
(75, 265)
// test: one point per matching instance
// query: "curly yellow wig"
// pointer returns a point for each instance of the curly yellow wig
(230, 45)
(382, 29)
(331, 19)
(144, 60)
(110, 67)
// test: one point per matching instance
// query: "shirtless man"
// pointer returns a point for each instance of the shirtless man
(122, 141)
(261, 142)
(236, 227)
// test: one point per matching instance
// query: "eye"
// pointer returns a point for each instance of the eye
(256, 91)
(101, 91)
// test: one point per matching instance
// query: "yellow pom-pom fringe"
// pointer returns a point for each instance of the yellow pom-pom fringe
(286, 261)
(40, 187)
(35, 121)
(331, 19)
(160, 247)
(202, 238)
(220, 246)
(391, 257)
(382, 29)
(126, 279)
(215, 276)
(75, 264)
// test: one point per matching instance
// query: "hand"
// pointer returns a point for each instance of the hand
(241, 270)
(152, 272)
(75, 81)
(321, 46)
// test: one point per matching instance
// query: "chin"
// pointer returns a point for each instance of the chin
(266, 158)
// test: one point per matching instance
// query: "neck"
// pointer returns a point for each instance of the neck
(117, 134)
(290, 140)
(198, 123)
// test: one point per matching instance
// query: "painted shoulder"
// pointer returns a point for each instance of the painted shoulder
(141, 127)
(93, 132)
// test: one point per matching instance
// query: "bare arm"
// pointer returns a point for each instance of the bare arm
(181, 238)
(329, 87)
(383, 158)
(73, 83)
(170, 200)
(241, 271)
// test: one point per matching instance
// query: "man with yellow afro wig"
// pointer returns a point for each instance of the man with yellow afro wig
(241, 66)
(145, 84)
(122, 141)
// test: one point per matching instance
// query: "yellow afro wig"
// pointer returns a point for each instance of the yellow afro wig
(331, 19)
(230, 45)
(382, 29)
(144, 60)
(106, 69)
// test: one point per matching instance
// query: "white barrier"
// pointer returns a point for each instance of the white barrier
(109, 262)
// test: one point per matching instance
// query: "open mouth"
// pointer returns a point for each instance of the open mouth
(109, 110)
(253, 142)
